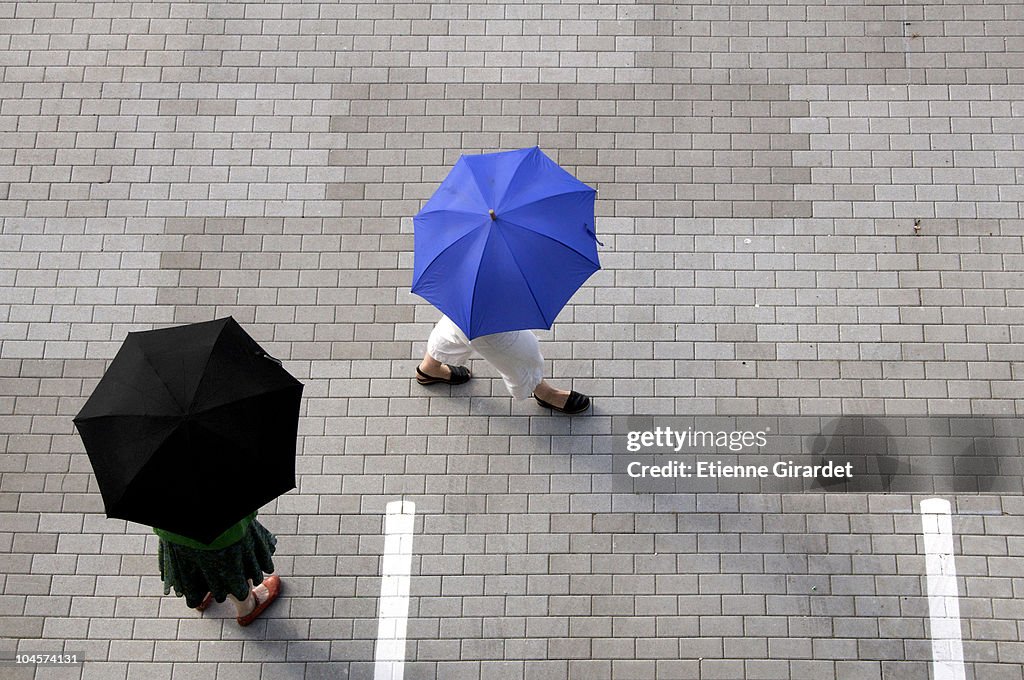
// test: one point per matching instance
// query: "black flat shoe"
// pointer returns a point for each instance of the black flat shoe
(460, 374)
(576, 403)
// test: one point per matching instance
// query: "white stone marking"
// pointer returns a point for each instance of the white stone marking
(393, 618)
(943, 598)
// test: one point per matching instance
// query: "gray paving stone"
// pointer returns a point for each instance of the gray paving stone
(804, 210)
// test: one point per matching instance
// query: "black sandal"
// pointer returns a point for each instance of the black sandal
(576, 403)
(460, 374)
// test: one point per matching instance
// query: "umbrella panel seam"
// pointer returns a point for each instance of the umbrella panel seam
(275, 390)
(510, 182)
(551, 238)
(525, 279)
(444, 210)
(585, 190)
(445, 250)
(159, 377)
(206, 365)
(167, 432)
(476, 280)
(515, 173)
(476, 181)
(185, 407)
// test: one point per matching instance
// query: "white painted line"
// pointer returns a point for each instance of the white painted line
(393, 618)
(943, 599)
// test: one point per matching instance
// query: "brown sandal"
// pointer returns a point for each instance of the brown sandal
(273, 584)
(205, 604)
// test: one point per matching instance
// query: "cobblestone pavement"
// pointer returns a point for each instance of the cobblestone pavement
(806, 208)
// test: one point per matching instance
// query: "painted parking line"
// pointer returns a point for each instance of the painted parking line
(943, 600)
(393, 616)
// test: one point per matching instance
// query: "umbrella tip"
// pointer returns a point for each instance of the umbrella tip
(491, 213)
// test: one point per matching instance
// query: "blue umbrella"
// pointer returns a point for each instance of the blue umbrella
(504, 242)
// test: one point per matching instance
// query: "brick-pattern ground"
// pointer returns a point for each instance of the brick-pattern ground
(805, 209)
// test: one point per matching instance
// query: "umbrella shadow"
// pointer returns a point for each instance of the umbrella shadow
(867, 445)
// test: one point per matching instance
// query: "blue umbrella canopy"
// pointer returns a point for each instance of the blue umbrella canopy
(504, 242)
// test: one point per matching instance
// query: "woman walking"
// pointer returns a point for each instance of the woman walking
(227, 567)
(500, 248)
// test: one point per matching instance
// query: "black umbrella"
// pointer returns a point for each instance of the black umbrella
(192, 428)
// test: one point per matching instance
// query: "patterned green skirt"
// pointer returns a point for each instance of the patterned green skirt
(194, 573)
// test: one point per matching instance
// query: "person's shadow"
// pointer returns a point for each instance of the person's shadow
(865, 443)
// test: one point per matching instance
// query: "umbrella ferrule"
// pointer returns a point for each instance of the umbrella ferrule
(491, 213)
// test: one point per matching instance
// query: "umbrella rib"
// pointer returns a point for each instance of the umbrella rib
(561, 243)
(586, 190)
(160, 379)
(259, 395)
(206, 365)
(134, 388)
(525, 280)
(515, 173)
(449, 210)
(476, 280)
(480, 186)
(167, 432)
(447, 248)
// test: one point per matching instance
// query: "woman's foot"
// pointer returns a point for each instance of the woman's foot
(432, 371)
(205, 604)
(568, 402)
(260, 598)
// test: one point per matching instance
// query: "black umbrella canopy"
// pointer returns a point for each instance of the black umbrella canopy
(192, 428)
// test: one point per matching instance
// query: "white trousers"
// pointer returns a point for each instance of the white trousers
(514, 354)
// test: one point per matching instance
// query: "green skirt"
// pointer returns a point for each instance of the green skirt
(194, 573)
